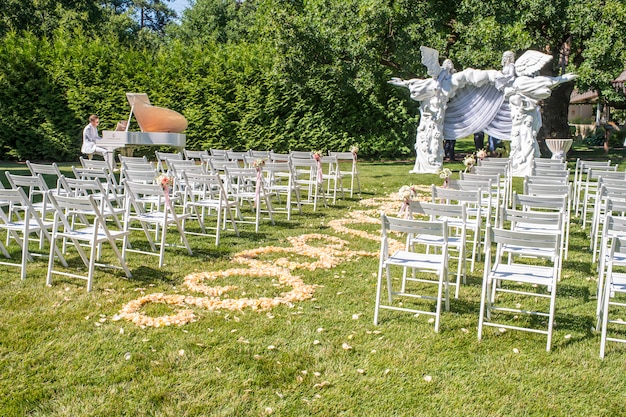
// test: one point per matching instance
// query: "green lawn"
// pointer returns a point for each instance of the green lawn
(63, 351)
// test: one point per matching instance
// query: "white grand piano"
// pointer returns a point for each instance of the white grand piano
(159, 127)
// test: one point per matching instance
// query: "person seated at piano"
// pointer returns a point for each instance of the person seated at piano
(90, 137)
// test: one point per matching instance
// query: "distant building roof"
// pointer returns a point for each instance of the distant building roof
(618, 83)
(583, 98)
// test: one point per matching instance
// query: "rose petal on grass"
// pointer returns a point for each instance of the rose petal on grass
(428, 378)
(346, 346)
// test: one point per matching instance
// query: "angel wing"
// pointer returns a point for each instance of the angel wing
(530, 62)
(430, 59)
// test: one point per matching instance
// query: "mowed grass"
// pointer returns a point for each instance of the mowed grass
(62, 353)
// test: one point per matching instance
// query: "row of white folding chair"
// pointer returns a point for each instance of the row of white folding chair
(608, 191)
(591, 188)
(504, 275)
(580, 176)
(613, 294)
(614, 226)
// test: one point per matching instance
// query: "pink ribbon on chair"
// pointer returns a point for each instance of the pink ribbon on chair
(257, 187)
(404, 210)
(166, 191)
(320, 173)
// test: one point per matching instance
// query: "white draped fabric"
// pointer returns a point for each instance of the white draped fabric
(478, 109)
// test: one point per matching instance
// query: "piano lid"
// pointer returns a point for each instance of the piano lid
(152, 118)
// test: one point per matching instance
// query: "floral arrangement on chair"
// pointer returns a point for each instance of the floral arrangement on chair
(406, 194)
(481, 154)
(354, 149)
(317, 155)
(165, 181)
(445, 174)
(469, 161)
(258, 163)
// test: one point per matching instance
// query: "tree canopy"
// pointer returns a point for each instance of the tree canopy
(276, 74)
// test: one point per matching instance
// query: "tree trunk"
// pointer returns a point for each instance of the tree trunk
(554, 116)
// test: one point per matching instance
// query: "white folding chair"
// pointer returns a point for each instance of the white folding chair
(36, 190)
(20, 221)
(195, 155)
(514, 278)
(204, 194)
(219, 153)
(246, 186)
(301, 154)
(473, 199)
(163, 159)
(310, 177)
(78, 219)
(580, 176)
(548, 198)
(332, 176)
(351, 159)
(604, 193)
(614, 226)
(542, 163)
(413, 258)
(455, 217)
(237, 156)
(112, 188)
(280, 181)
(614, 294)
(47, 171)
(93, 163)
(155, 218)
(591, 188)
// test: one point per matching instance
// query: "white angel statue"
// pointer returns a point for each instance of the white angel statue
(523, 93)
(433, 95)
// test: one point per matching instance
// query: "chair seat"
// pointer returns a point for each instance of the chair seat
(531, 274)
(618, 284)
(421, 261)
(157, 217)
(87, 234)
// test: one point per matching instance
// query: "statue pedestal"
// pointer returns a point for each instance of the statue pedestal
(559, 147)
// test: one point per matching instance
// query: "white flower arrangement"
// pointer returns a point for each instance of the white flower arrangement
(481, 154)
(469, 161)
(407, 192)
(444, 173)
(354, 148)
(317, 155)
(258, 163)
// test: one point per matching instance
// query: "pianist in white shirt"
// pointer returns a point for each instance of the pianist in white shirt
(90, 137)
